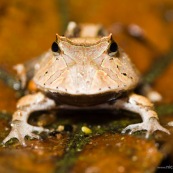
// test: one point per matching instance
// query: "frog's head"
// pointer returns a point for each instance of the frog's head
(85, 49)
(87, 66)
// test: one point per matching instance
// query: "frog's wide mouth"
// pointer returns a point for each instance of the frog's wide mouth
(85, 99)
(88, 41)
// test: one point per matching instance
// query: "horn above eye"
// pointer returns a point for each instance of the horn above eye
(113, 48)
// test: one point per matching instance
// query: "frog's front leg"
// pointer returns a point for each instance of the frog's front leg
(141, 105)
(25, 106)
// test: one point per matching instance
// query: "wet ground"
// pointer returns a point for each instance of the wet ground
(28, 28)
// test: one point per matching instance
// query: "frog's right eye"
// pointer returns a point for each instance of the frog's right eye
(55, 48)
(113, 48)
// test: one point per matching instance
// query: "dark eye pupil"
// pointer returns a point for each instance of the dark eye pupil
(113, 47)
(55, 47)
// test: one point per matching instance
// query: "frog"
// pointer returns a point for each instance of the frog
(85, 68)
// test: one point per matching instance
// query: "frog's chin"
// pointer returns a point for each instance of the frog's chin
(85, 99)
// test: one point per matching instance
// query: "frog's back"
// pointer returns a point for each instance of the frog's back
(85, 68)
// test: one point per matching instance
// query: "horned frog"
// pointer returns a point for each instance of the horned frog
(84, 68)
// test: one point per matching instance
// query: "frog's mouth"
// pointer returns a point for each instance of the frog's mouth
(85, 100)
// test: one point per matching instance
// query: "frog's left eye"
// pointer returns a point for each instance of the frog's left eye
(55, 48)
(113, 48)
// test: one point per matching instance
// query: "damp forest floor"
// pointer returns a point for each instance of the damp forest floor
(87, 141)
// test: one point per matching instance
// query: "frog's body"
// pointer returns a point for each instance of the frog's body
(84, 73)
(84, 69)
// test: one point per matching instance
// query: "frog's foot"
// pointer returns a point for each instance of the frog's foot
(151, 125)
(21, 129)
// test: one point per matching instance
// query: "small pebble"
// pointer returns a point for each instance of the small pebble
(60, 128)
(86, 130)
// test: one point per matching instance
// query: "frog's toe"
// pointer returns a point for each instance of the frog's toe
(153, 125)
(21, 129)
(133, 128)
(150, 126)
(15, 134)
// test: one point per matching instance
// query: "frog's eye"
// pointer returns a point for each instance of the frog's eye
(113, 48)
(55, 48)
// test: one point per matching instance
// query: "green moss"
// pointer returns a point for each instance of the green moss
(158, 67)
(77, 141)
(164, 109)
